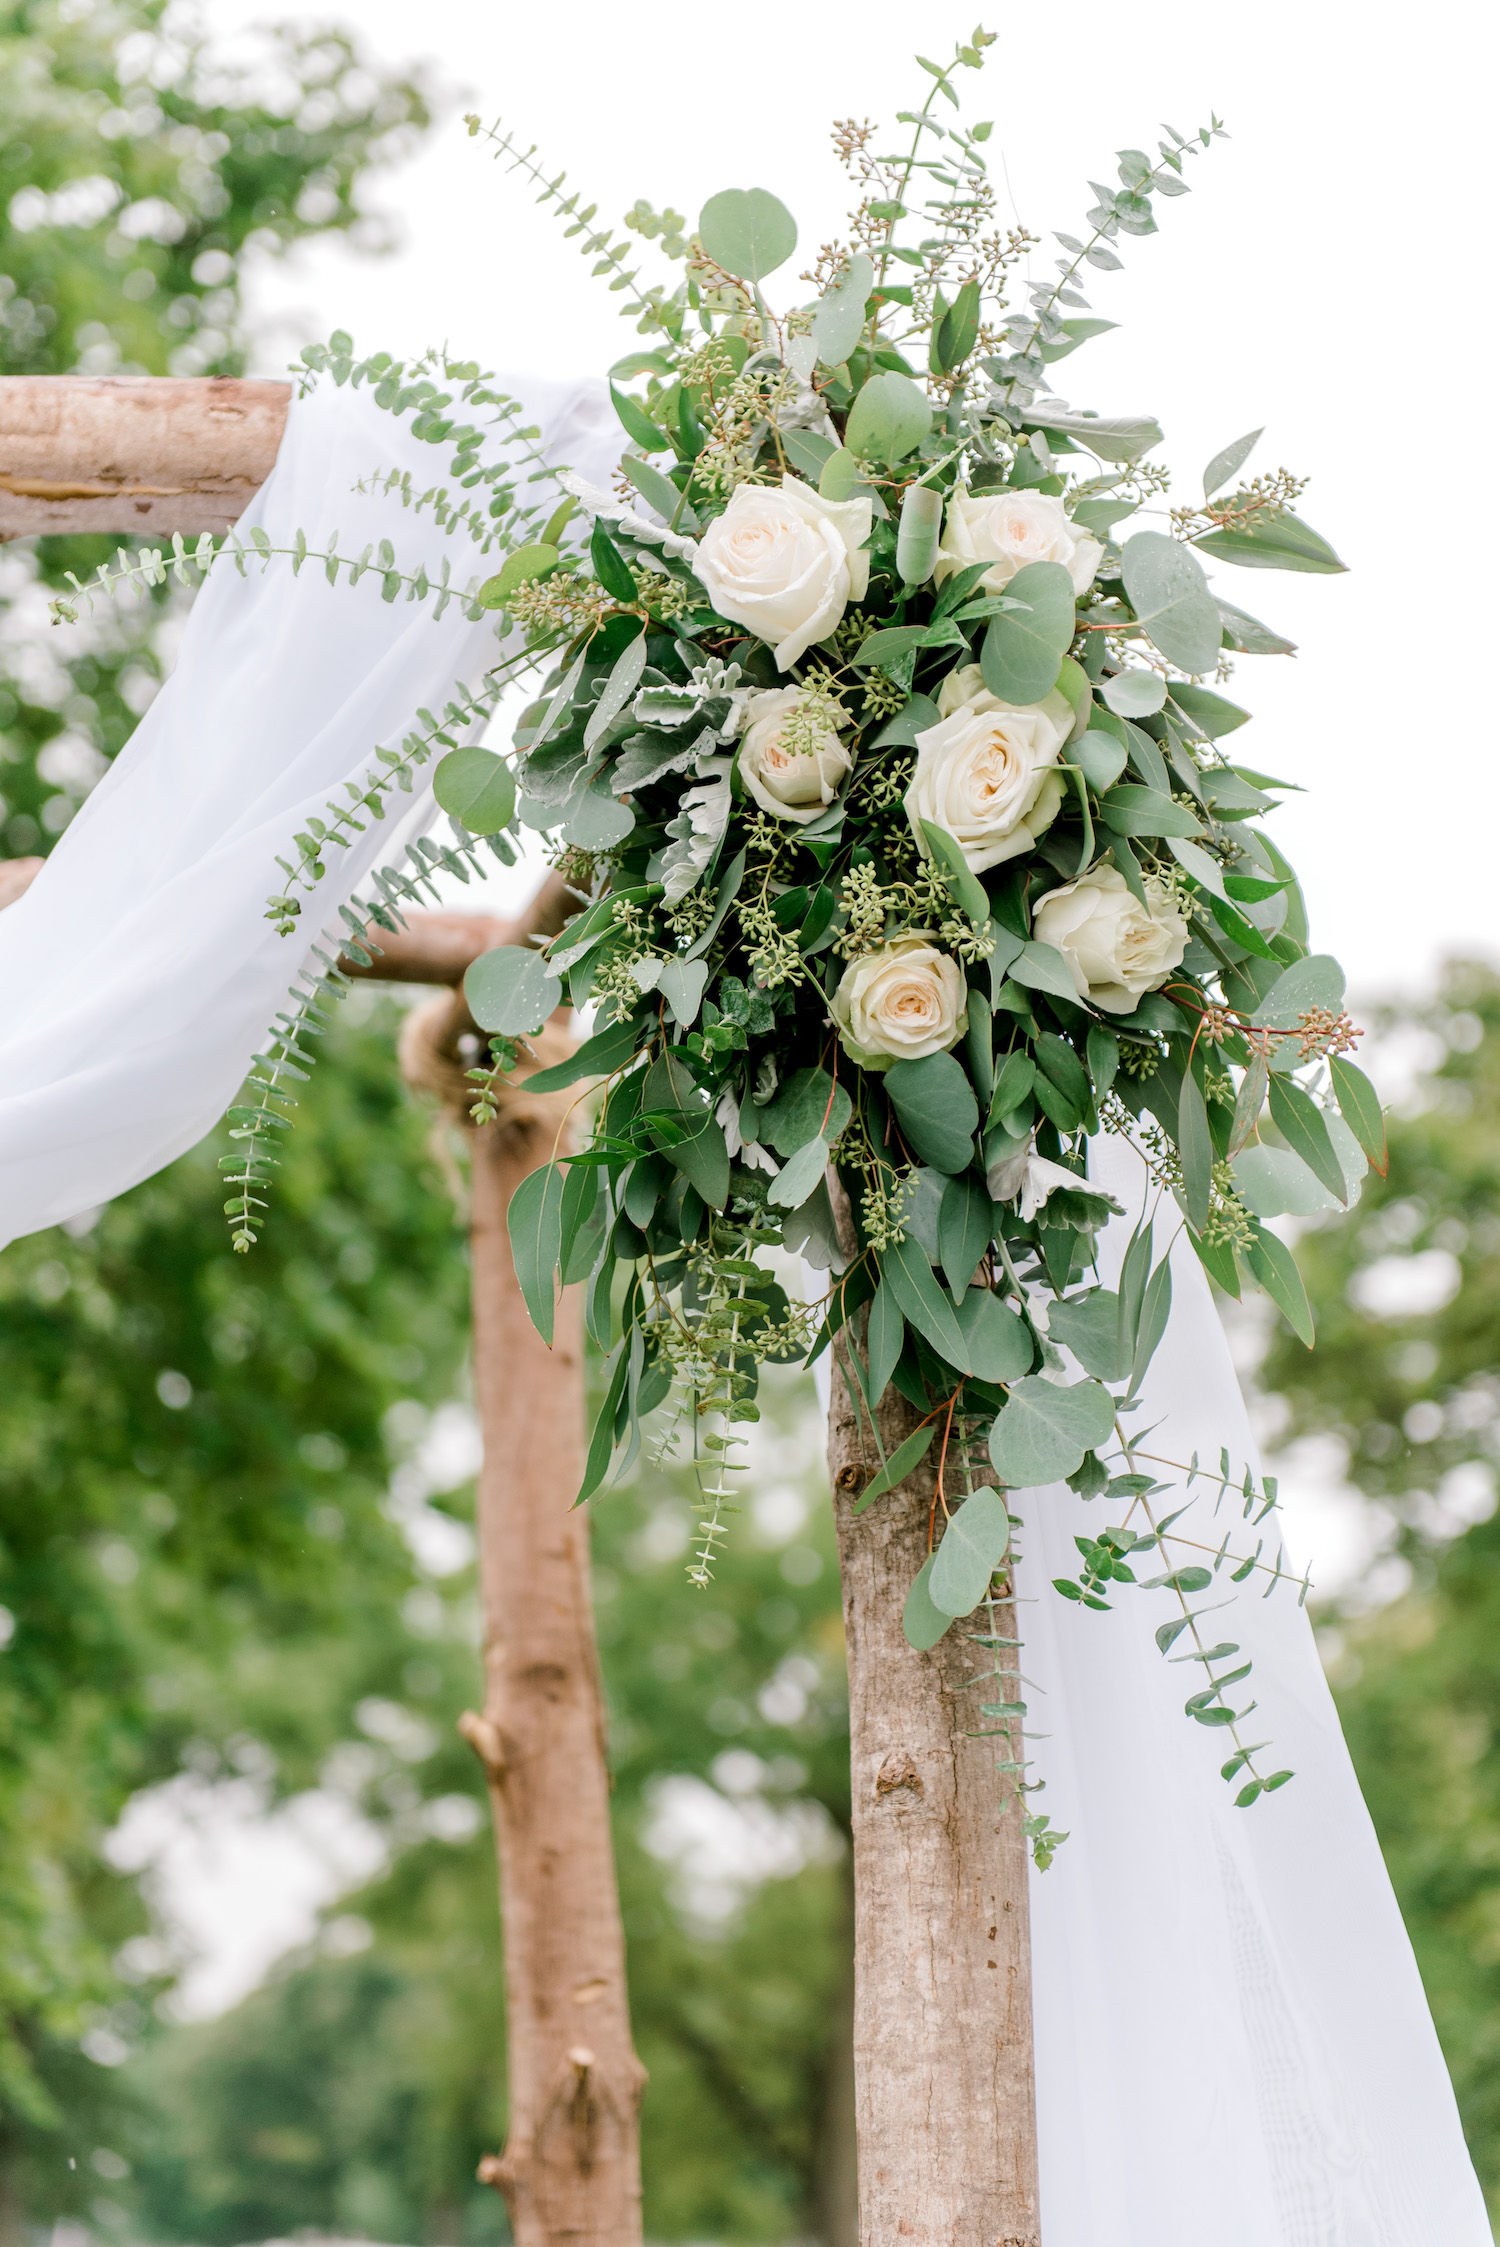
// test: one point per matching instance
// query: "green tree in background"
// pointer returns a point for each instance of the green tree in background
(1407, 1374)
(203, 1470)
(138, 166)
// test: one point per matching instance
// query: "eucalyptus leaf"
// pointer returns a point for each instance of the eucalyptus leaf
(1134, 694)
(1171, 599)
(681, 985)
(922, 1623)
(619, 689)
(1100, 758)
(1022, 651)
(922, 1302)
(839, 317)
(476, 788)
(1229, 462)
(791, 1186)
(936, 1109)
(888, 419)
(1089, 1326)
(1273, 1182)
(1119, 439)
(973, 1545)
(902, 1461)
(511, 991)
(1272, 1263)
(965, 886)
(997, 1338)
(966, 1222)
(748, 231)
(808, 1106)
(1045, 1429)
(1042, 968)
(597, 819)
(535, 1223)
(1275, 542)
(659, 492)
(1317, 981)
(883, 1338)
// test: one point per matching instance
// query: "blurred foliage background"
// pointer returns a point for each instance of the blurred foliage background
(232, 1554)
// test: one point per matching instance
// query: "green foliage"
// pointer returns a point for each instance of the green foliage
(130, 194)
(193, 1543)
(1409, 1395)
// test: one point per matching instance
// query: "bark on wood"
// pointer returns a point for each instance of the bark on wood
(134, 453)
(570, 2172)
(571, 2167)
(944, 2086)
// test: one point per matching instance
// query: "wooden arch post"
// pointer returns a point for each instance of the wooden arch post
(943, 2056)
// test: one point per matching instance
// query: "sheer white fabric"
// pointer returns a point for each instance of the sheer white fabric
(138, 974)
(1232, 2041)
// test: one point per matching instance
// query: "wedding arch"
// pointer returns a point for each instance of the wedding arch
(931, 934)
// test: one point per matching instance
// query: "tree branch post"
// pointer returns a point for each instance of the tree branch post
(570, 2171)
(134, 454)
(945, 2096)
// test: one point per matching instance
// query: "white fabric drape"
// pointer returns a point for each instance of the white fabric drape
(1232, 2042)
(138, 973)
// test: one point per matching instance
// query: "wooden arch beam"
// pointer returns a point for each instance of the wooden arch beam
(134, 453)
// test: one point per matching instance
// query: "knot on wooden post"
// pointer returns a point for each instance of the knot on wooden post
(896, 1772)
(484, 1738)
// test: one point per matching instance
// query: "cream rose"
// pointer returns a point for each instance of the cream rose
(789, 783)
(1116, 948)
(988, 773)
(900, 1002)
(1010, 529)
(787, 563)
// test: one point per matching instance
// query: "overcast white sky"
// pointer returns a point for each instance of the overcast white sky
(1330, 276)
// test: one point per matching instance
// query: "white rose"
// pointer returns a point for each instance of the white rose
(962, 686)
(900, 1002)
(988, 773)
(789, 784)
(1116, 948)
(787, 563)
(1010, 529)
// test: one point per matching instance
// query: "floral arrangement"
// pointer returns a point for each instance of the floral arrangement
(880, 738)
